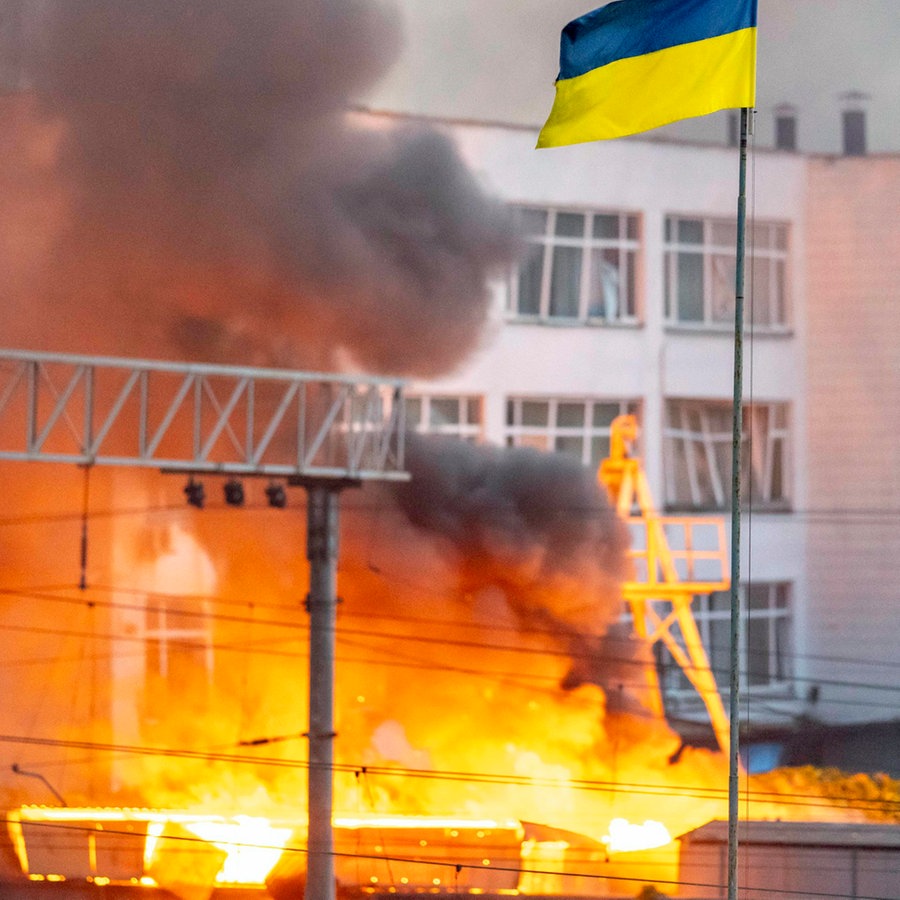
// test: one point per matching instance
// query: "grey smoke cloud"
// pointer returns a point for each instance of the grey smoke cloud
(537, 527)
(220, 202)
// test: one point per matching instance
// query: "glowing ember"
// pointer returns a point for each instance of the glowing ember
(624, 836)
(252, 847)
(451, 823)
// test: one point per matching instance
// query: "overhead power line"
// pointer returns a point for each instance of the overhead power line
(794, 798)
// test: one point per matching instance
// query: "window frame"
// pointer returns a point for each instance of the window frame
(168, 631)
(517, 432)
(464, 428)
(628, 244)
(766, 433)
(710, 610)
(768, 261)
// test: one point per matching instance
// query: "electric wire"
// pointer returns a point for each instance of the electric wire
(302, 626)
(45, 593)
(890, 514)
(426, 640)
(346, 636)
(880, 805)
(546, 685)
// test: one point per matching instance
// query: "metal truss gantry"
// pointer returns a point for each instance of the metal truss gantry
(199, 418)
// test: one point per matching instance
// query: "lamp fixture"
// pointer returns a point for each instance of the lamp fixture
(276, 495)
(196, 495)
(234, 492)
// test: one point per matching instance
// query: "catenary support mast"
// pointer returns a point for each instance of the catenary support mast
(321, 604)
(320, 432)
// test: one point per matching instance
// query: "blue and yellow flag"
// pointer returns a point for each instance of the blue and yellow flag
(633, 65)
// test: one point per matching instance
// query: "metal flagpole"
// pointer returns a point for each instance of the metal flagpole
(736, 428)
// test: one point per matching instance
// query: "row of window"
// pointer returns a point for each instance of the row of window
(179, 643)
(697, 476)
(583, 267)
(697, 435)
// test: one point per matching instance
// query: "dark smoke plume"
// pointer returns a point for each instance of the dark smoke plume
(537, 526)
(214, 198)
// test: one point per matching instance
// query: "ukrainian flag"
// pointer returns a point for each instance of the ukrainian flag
(633, 65)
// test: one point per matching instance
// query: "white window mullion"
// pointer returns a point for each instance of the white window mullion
(703, 249)
(546, 268)
(774, 615)
(512, 300)
(769, 462)
(587, 253)
(671, 299)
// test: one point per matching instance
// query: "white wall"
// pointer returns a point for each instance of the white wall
(649, 361)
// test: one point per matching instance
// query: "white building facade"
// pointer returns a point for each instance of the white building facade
(623, 301)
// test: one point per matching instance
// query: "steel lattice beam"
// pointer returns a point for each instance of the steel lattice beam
(199, 418)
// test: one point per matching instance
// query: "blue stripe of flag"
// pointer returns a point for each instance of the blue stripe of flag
(628, 28)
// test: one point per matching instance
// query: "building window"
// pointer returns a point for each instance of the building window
(766, 639)
(577, 267)
(177, 640)
(580, 428)
(698, 455)
(700, 272)
(177, 620)
(459, 417)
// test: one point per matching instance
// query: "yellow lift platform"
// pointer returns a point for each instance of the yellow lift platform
(675, 558)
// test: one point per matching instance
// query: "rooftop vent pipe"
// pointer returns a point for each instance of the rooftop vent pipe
(786, 127)
(853, 118)
(733, 128)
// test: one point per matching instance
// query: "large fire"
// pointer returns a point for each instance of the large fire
(454, 718)
(455, 701)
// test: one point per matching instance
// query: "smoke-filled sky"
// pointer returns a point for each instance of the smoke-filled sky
(497, 59)
(186, 176)
(182, 179)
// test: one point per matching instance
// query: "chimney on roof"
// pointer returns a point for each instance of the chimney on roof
(853, 120)
(786, 127)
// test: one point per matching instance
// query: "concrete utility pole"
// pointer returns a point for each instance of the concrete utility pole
(321, 604)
